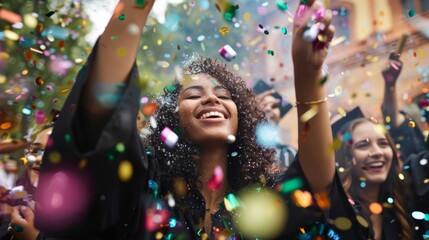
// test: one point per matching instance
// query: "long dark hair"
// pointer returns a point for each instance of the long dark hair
(393, 186)
(248, 163)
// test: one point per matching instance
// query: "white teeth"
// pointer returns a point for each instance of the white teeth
(376, 164)
(212, 114)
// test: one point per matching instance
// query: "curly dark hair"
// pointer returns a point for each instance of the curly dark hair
(248, 163)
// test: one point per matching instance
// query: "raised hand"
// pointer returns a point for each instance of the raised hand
(309, 56)
(392, 70)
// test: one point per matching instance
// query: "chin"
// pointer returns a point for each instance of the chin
(377, 179)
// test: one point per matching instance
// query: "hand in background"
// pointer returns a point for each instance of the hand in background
(23, 225)
(392, 70)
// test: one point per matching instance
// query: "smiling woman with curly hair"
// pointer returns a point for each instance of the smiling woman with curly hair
(248, 163)
(215, 116)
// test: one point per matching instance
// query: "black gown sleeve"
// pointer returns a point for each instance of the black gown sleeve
(307, 223)
(93, 184)
(410, 139)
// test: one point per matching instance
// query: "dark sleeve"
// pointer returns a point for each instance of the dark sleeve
(82, 168)
(417, 167)
(410, 139)
(313, 218)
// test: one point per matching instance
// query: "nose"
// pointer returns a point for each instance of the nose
(211, 99)
(376, 151)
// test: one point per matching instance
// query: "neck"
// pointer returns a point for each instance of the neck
(369, 194)
(209, 159)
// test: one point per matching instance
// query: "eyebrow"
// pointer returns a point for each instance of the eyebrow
(199, 87)
(36, 144)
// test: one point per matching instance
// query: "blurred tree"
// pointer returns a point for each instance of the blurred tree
(42, 47)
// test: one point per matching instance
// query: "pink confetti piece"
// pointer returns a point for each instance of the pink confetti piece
(216, 179)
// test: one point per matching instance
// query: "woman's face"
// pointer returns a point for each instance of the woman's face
(206, 111)
(372, 154)
(35, 155)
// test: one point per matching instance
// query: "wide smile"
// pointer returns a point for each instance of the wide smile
(212, 115)
(376, 166)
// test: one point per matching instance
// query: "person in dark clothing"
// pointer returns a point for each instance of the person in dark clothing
(404, 131)
(387, 189)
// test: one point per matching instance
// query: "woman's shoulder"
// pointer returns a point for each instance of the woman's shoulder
(417, 168)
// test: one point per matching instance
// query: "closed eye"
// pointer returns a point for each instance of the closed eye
(193, 97)
(224, 97)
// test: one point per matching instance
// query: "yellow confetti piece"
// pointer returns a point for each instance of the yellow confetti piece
(336, 145)
(83, 163)
(375, 208)
(412, 124)
(247, 17)
(159, 235)
(2, 79)
(302, 198)
(426, 181)
(159, 42)
(338, 90)
(54, 157)
(381, 129)
(121, 52)
(401, 176)
(420, 53)
(223, 30)
(322, 37)
(337, 40)
(309, 114)
(343, 223)
(362, 221)
(228, 205)
(255, 41)
(30, 21)
(11, 35)
(388, 119)
(341, 111)
(125, 170)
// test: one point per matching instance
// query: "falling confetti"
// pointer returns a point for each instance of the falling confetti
(215, 181)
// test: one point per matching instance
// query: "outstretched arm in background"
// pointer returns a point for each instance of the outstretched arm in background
(390, 103)
(315, 138)
(114, 59)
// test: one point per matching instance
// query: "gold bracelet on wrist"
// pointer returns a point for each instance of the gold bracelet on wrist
(311, 102)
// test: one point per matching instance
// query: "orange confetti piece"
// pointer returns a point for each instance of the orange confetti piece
(61, 44)
(375, 208)
(149, 109)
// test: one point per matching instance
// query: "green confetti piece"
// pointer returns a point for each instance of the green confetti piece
(140, 3)
(270, 52)
(266, 32)
(323, 80)
(67, 138)
(290, 186)
(122, 17)
(284, 30)
(412, 13)
(282, 5)
(170, 88)
(120, 147)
